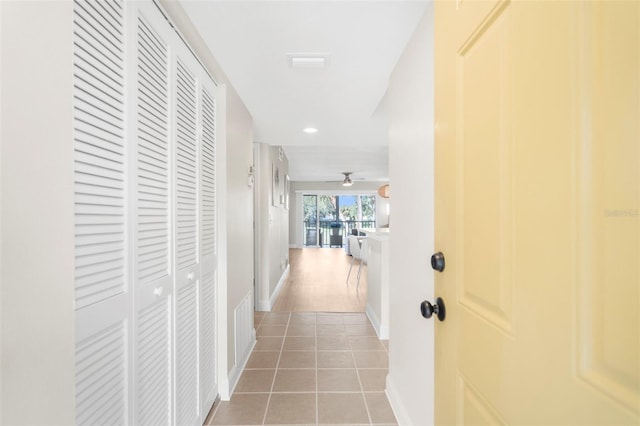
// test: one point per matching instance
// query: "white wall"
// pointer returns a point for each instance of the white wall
(273, 239)
(279, 227)
(411, 356)
(37, 243)
(239, 210)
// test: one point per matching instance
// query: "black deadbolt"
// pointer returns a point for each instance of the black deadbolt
(427, 309)
(437, 261)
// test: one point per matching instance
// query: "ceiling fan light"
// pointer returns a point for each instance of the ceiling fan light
(347, 179)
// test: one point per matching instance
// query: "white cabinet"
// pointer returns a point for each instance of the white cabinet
(145, 144)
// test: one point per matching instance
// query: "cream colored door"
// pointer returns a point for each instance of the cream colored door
(537, 212)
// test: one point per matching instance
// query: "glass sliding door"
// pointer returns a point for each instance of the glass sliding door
(311, 226)
(328, 215)
(368, 211)
(329, 219)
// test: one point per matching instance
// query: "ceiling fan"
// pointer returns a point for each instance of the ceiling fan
(347, 181)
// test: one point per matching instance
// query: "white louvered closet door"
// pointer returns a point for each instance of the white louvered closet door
(103, 290)
(153, 221)
(208, 259)
(145, 191)
(187, 234)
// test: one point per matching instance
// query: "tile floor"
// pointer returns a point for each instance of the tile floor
(311, 369)
(317, 282)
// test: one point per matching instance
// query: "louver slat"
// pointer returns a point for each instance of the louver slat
(100, 216)
(153, 242)
(208, 250)
(207, 332)
(187, 395)
(152, 367)
(208, 175)
(99, 151)
(153, 157)
(186, 178)
(100, 374)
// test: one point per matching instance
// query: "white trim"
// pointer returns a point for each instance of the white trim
(381, 330)
(263, 306)
(396, 403)
(294, 246)
(235, 373)
(162, 5)
(384, 333)
(276, 291)
(257, 227)
(224, 389)
(266, 305)
(221, 195)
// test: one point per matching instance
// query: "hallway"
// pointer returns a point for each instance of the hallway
(317, 359)
(311, 368)
(317, 283)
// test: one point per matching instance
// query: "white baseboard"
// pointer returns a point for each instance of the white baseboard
(396, 403)
(276, 291)
(384, 332)
(223, 389)
(266, 305)
(263, 306)
(381, 330)
(293, 246)
(236, 372)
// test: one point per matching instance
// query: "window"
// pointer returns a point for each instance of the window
(324, 213)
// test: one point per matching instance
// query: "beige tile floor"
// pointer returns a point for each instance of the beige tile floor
(317, 282)
(311, 369)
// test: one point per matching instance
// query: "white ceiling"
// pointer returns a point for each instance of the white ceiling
(344, 100)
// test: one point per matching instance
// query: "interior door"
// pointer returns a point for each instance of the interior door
(208, 249)
(537, 212)
(154, 274)
(102, 283)
(187, 246)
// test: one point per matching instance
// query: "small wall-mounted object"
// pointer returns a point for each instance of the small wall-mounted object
(251, 176)
(383, 191)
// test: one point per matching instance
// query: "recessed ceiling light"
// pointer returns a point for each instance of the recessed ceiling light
(310, 130)
(308, 60)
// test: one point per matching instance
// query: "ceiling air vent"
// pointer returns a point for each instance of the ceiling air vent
(308, 60)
